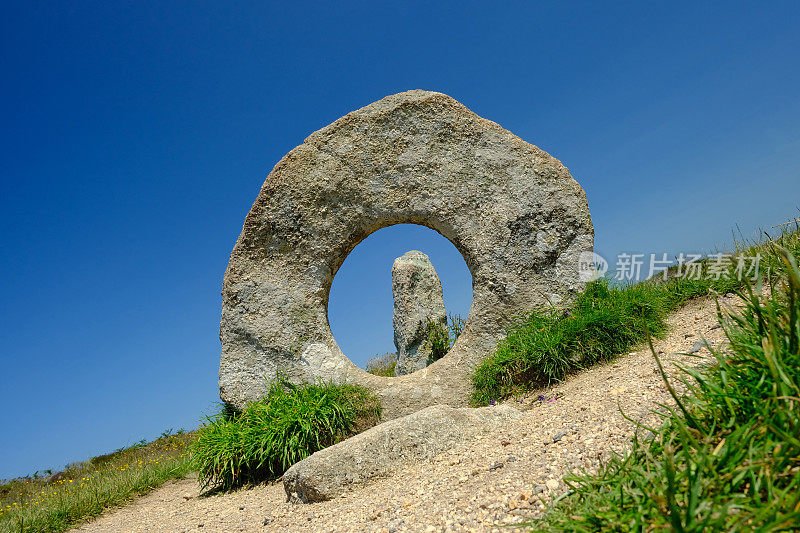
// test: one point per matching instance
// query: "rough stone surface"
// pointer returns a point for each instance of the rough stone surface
(513, 211)
(388, 447)
(418, 301)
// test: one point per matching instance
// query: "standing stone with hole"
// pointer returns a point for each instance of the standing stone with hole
(513, 211)
(418, 303)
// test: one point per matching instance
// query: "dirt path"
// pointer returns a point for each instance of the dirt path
(503, 478)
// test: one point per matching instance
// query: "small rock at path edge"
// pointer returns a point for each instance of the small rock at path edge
(696, 347)
(496, 466)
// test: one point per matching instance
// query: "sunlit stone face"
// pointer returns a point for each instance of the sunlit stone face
(514, 212)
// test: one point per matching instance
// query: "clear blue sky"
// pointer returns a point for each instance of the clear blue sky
(137, 135)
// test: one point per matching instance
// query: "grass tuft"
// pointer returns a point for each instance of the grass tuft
(602, 322)
(382, 365)
(437, 340)
(440, 338)
(288, 425)
(384, 371)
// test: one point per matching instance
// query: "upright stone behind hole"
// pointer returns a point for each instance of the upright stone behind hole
(418, 301)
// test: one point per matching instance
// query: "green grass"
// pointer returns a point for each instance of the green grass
(387, 371)
(603, 321)
(727, 458)
(440, 338)
(58, 502)
(382, 365)
(437, 340)
(288, 425)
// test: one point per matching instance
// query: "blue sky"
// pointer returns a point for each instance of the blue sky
(137, 136)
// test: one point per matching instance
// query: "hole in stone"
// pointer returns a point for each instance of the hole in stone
(361, 302)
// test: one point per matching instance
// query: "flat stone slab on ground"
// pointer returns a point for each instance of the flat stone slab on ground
(387, 447)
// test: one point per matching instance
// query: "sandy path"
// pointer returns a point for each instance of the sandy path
(502, 478)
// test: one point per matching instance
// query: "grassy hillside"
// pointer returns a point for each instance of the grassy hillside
(83, 490)
(726, 459)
